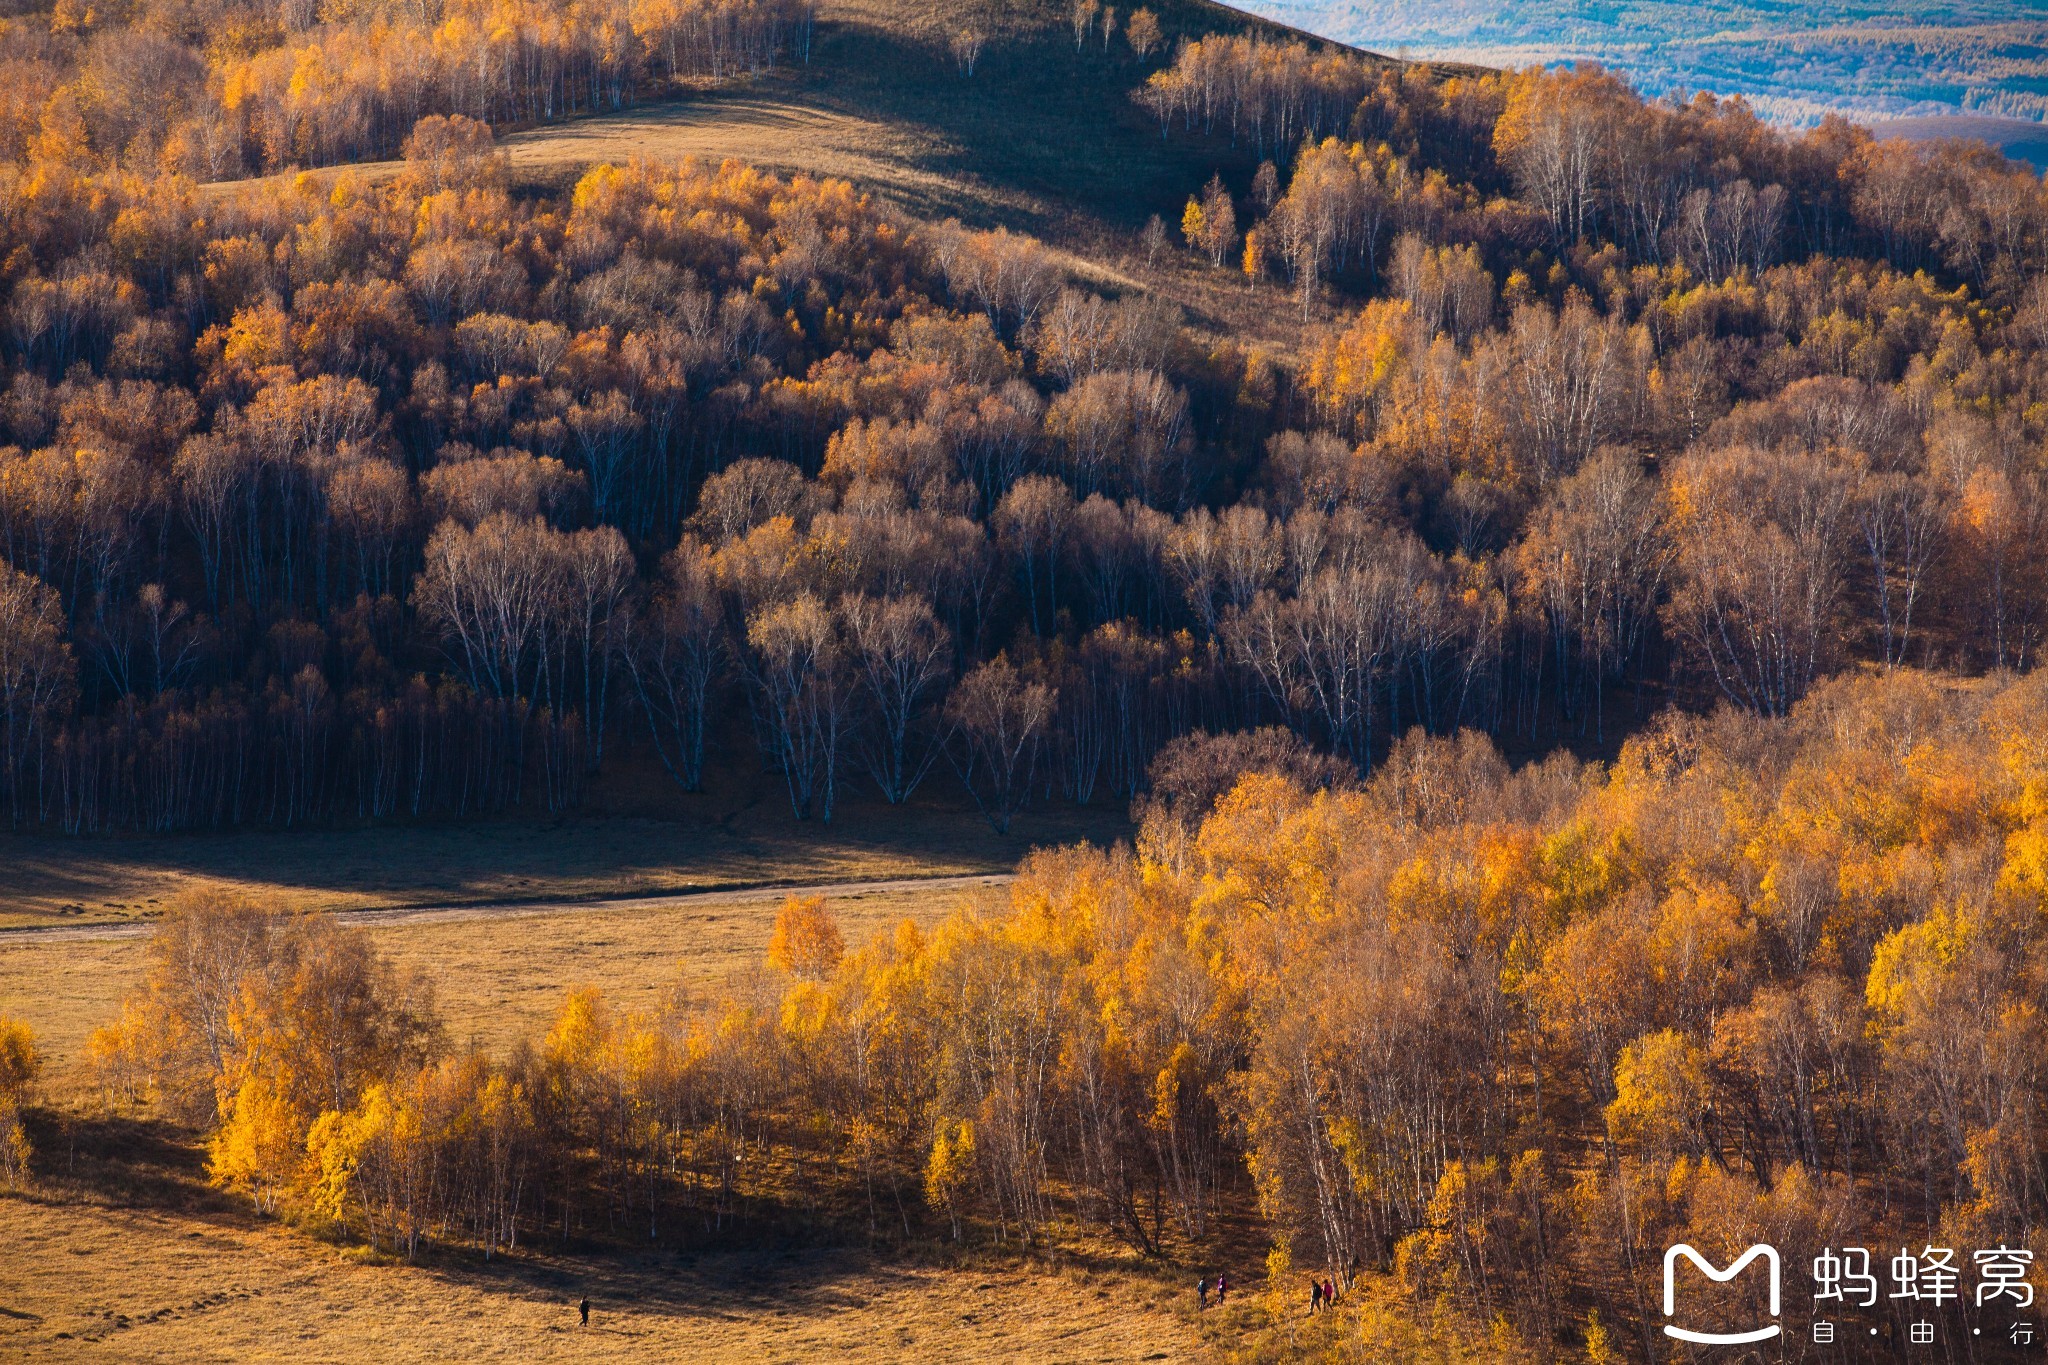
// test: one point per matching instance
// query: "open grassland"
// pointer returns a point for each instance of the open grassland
(773, 127)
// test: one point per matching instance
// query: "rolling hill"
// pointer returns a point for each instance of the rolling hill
(1043, 136)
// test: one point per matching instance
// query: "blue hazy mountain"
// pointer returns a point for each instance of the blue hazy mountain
(1974, 61)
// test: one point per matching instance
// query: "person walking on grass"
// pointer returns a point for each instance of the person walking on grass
(1315, 1297)
(1222, 1289)
(1202, 1294)
(584, 1309)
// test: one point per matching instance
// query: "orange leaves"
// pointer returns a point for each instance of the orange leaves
(1351, 371)
(1272, 849)
(806, 942)
(1472, 885)
(742, 227)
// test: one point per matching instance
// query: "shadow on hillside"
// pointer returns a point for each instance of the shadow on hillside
(782, 1262)
(1037, 118)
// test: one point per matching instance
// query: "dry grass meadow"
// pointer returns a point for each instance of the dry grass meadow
(499, 973)
(126, 1255)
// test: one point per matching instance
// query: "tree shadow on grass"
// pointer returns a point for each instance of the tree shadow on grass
(802, 1263)
(124, 1162)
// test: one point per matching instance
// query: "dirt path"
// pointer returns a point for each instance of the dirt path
(449, 914)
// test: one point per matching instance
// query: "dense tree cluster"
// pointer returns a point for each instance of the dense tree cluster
(1789, 379)
(363, 499)
(348, 499)
(1503, 1034)
(420, 496)
(1273, 93)
(219, 88)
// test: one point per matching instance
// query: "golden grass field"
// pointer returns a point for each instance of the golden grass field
(155, 1266)
(771, 131)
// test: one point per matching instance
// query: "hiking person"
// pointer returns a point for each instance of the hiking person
(1222, 1289)
(1315, 1297)
(1202, 1294)
(584, 1309)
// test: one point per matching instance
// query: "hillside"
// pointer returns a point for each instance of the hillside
(1551, 578)
(1048, 133)
(1044, 137)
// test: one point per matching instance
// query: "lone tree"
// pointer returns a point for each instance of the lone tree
(1083, 14)
(999, 720)
(1141, 31)
(967, 46)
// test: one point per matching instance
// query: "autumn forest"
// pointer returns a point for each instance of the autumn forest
(1576, 701)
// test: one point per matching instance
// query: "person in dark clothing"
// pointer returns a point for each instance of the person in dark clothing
(1202, 1293)
(1222, 1288)
(1315, 1297)
(584, 1309)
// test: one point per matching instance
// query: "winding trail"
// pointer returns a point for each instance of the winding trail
(522, 909)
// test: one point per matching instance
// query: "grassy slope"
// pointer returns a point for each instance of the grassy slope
(1043, 136)
(177, 1275)
(1038, 119)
